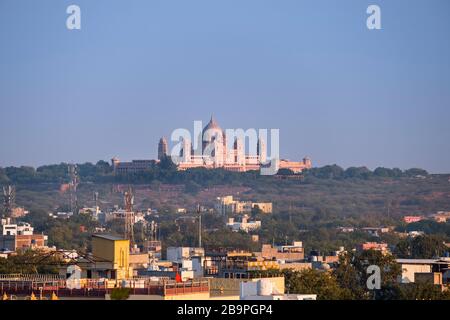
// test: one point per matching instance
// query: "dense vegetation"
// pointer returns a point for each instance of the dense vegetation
(310, 207)
(349, 281)
(166, 172)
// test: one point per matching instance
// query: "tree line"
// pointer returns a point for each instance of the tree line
(166, 172)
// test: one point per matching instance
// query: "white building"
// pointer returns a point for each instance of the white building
(244, 225)
(21, 228)
(192, 258)
(264, 289)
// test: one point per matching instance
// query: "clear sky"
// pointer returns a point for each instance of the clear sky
(138, 69)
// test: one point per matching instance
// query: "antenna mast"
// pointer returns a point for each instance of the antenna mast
(9, 194)
(73, 184)
(129, 215)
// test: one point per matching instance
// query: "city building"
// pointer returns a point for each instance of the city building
(179, 254)
(441, 216)
(243, 267)
(21, 228)
(94, 212)
(190, 259)
(411, 219)
(19, 212)
(110, 258)
(244, 225)
(383, 247)
(228, 205)
(153, 248)
(133, 167)
(20, 236)
(375, 232)
(294, 252)
(425, 268)
(264, 289)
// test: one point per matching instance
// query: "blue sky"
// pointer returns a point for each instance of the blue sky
(338, 92)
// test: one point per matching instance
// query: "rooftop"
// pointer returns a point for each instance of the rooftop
(422, 261)
(108, 237)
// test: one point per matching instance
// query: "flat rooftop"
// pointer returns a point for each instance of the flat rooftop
(108, 237)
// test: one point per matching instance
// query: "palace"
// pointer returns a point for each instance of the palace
(214, 153)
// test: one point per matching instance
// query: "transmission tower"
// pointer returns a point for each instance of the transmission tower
(9, 199)
(129, 216)
(73, 185)
(153, 231)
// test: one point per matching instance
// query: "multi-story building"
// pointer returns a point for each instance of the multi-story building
(20, 236)
(227, 205)
(133, 167)
(292, 252)
(191, 259)
(182, 253)
(415, 269)
(244, 225)
(110, 258)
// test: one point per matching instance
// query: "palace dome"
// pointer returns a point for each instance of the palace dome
(212, 132)
(212, 125)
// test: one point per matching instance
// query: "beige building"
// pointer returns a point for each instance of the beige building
(424, 270)
(292, 252)
(227, 205)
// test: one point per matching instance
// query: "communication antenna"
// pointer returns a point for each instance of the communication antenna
(72, 170)
(129, 215)
(96, 198)
(153, 231)
(9, 199)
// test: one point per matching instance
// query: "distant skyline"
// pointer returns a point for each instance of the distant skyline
(338, 92)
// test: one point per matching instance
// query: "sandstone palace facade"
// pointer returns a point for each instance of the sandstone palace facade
(214, 153)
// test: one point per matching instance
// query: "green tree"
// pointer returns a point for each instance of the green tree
(310, 281)
(352, 272)
(421, 247)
